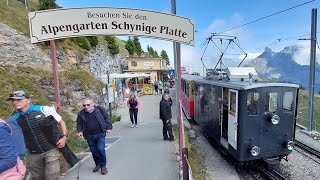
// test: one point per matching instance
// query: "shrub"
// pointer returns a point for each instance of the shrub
(112, 45)
(82, 42)
(115, 118)
(93, 40)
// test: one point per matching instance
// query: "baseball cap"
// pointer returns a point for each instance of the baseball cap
(18, 95)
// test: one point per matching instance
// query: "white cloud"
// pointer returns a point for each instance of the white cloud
(250, 56)
(216, 24)
(302, 56)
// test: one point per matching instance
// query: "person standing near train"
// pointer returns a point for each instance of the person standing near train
(133, 105)
(165, 116)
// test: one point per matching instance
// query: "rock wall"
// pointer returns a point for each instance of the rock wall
(16, 49)
(101, 61)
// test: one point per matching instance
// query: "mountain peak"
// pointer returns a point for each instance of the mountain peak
(267, 49)
(290, 49)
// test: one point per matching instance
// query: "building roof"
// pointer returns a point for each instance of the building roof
(142, 70)
(239, 85)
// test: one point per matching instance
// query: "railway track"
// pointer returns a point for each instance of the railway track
(260, 172)
(311, 151)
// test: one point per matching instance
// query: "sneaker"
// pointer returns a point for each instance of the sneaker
(96, 169)
(104, 171)
(132, 125)
(136, 125)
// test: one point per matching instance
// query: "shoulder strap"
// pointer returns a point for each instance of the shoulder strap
(5, 123)
(99, 111)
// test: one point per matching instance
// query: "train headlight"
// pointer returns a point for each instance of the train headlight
(255, 151)
(275, 119)
(290, 145)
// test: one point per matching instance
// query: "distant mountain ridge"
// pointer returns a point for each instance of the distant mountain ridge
(281, 66)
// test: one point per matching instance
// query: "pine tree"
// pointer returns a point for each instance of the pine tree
(48, 4)
(156, 55)
(112, 44)
(164, 56)
(130, 46)
(138, 50)
(150, 51)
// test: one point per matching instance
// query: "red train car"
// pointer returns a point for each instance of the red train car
(187, 94)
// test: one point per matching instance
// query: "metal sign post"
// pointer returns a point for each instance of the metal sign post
(312, 68)
(109, 94)
(57, 98)
(55, 75)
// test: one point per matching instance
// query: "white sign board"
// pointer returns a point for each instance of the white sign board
(63, 23)
(148, 63)
(110, 93)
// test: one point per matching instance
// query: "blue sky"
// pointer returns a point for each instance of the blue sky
(213, 16)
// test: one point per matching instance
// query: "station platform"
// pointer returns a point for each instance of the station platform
(135, 153)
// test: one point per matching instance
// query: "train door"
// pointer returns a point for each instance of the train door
(287, 114)
(269, 131)
(233, 118)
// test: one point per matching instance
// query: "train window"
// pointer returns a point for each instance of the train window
(212, 95)
(253, 103)
(187, 89)
(271, 104)
(233, 100)
(287, 101)
(182, 86)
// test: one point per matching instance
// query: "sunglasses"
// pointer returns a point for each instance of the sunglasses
(17, 95)
(86, 105)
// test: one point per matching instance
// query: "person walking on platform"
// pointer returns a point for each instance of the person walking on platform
(43, 158)
(156, 87)
(166, 90)
(165, 116)
(160, 85)
(11, 166)
(133, 105)
(92, 124)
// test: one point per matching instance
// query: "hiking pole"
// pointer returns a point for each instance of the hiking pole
(79, 161)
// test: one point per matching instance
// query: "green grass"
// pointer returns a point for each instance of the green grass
(15, 15)
(24, 78)
(195, 158)
(302, 115)
(27, 78)
(115, 118)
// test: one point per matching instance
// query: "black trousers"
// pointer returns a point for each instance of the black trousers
(167, 130)
(134, 115)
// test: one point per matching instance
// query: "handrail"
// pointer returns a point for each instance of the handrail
(183, 150)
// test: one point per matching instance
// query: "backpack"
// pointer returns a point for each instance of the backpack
(17, 137)
(18, 171)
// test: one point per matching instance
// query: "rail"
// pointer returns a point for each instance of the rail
(307, 148)
(183, 150)
(271, 174)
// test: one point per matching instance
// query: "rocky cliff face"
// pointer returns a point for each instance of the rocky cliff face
(16, 49)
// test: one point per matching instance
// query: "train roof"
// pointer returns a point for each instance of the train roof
(239, 85)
